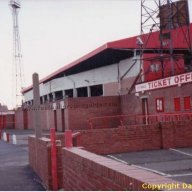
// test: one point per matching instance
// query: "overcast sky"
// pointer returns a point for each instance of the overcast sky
(56, 32)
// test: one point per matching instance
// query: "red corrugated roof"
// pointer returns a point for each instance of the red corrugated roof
(128, 43)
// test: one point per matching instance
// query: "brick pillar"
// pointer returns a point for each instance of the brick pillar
(36, 105)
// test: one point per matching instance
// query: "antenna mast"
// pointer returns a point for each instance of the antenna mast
(17, 56)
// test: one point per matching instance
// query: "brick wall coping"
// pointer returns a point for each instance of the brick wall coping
(138, 175)
(45, 140)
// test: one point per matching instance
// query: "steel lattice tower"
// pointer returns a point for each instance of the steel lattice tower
(18, 75)
(164, 16)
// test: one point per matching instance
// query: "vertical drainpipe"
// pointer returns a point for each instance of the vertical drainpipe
(134, 60)
(43, 99)
(54, 96)
(119, 79)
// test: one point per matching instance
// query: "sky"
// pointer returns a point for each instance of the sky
(54, 33)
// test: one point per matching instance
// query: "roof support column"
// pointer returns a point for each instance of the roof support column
(43, 99)
(48, 98)
(89, 91)
(74, 92)
(54, 96)
(63, 94)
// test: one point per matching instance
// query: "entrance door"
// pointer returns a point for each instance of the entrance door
(145, 110)
(55, 119)
(63, 119)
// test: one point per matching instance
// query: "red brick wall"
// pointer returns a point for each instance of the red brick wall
(46, 118)
(111, 89)
(7, 121)
(79, 110)
(136, 138)
(119, 140)
(114, 88)
(40, 160)
(85, 171)
(19, 119)
(131, 104)
(81, 170)
(176, 135)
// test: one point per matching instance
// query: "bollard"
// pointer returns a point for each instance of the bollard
(0, 134)
(68, 138)
(53, 160)
(4, 136)
(14, 139)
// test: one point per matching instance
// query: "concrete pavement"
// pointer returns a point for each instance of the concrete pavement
(172, 163)
(15, 173)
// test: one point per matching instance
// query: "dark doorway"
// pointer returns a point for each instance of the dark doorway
(25, 119)
(63, 119)
(145, 110)
(55, 119)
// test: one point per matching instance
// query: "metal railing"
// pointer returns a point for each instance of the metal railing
(124, 120)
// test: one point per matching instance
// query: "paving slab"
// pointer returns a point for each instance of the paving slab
(15, 172)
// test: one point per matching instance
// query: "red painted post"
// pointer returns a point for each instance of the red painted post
(68, 138)
(54, 160)
(7, 134)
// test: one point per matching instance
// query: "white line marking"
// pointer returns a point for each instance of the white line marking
(154, 171)
(176, 150)
(115, 158)
(180, 175)
(147, 169)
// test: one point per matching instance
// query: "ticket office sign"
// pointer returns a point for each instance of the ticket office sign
(165, 82)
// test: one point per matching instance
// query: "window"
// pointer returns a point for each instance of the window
(188, 62)
(160, 105)
(96, 90)
(58, 95)
(82, 92)
(177, 104)
(69, 93)
(187, 103)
